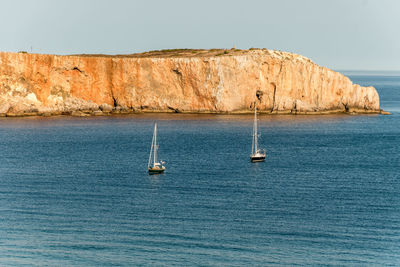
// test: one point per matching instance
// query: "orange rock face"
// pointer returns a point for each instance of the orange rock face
(280, 82)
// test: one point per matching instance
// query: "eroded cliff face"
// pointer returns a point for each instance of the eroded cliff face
(203, 82)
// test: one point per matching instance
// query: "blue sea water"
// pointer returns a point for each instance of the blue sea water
(75, 191)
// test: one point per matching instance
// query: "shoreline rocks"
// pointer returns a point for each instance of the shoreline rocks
(132, 112)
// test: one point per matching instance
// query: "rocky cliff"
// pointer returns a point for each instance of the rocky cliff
(176, 81)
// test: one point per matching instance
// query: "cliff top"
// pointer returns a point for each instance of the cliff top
(199, 53)
(189, 53)
(180, 53)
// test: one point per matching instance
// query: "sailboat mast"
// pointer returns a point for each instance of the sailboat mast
(252, 141)
(155, 143)
(255, 129)
(151, 151)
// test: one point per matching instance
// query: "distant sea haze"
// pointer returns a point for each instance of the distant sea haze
(76, 192)
(370, 72)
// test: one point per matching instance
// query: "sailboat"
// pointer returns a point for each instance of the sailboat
(257, 154)
(154, 166)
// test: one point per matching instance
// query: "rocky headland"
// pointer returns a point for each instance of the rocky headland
(180, 80)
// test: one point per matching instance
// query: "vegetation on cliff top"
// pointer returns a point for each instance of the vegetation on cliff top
(215, 52)
(181, 53)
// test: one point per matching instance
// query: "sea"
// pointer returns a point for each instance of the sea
(76, 192)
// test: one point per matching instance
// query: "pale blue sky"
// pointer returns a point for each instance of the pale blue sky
(339, 34)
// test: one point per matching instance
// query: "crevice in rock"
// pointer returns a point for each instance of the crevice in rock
(177, 72)
(174, 109)
(259, 95)
(295, 107)
(114, 101)
(280, 69)
(180, 79)
(76, 68)
(346, 107)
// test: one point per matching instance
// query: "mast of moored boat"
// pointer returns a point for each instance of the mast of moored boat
(255, 141)
(155, 143)
(151, 151)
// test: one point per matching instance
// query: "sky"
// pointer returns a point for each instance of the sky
(338, 34)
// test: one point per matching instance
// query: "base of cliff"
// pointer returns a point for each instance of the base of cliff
(88, 113)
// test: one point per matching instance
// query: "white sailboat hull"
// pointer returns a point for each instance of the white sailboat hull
(156, 169)
(257, 157)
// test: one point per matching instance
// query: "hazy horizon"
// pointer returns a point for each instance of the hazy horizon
(341, 35)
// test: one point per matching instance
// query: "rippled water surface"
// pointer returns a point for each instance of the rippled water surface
(75, 192)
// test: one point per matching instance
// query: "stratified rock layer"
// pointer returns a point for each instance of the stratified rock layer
(190, 81)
